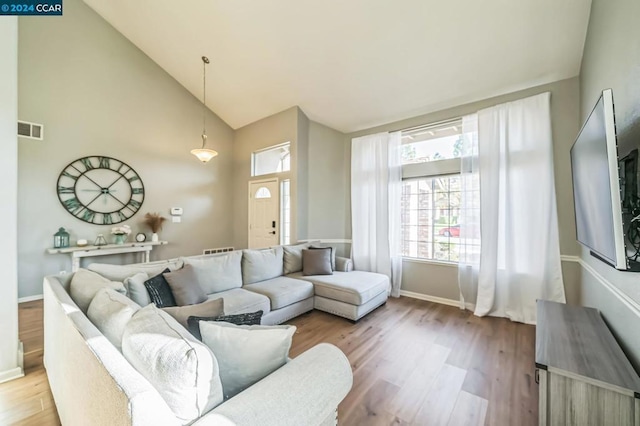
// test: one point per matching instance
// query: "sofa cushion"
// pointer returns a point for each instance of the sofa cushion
(252, 318)
(110, 312)
(85, 284)
(136, 290)
(261, 265)
(122, 272)
(246, 353)
(159, 290)
(241, 301)
(317, 261)
(292, 258)
(183, 370)
(217, 273)
(210, 308)
(185, 286)
(355, 287)
(282, 291)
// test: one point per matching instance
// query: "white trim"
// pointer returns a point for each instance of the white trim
(14, 373)
(30, 298)
(430, 169)
(626, 300)
(567, 258)
(430, 262)
(326, 241)
(434, 299)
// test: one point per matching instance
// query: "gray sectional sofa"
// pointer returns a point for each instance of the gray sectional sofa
(270, 280)
(93, 383)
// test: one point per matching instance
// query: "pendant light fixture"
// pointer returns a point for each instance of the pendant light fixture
(203, 153)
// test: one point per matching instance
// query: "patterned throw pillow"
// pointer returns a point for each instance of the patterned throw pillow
(159, 291)
(252, 318)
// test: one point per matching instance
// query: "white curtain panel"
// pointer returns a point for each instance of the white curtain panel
(376, 186)
(519, 260)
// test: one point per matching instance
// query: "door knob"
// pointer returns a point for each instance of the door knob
(273, 232)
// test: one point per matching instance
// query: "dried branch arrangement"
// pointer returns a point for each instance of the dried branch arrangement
(154, 221)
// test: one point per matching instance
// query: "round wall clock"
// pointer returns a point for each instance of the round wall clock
(100, 190)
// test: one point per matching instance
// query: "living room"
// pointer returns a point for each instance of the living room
(118, 80)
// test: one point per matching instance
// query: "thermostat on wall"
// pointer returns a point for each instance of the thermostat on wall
(176, 211)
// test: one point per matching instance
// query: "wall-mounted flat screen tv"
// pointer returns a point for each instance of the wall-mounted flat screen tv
(596, 186)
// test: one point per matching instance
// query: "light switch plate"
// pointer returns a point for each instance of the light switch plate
(176, 219)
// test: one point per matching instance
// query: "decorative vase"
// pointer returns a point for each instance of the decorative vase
(154, 237)
(120, 239)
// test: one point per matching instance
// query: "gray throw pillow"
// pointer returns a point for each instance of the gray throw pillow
(210, 308)
(136, 289)
(85, 284)
(333, 253)
(317, 261)
(185, 287)
(246, 353)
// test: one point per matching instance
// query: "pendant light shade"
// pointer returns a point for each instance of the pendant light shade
(204, 154)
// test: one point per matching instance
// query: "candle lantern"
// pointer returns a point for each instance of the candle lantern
(61, 239)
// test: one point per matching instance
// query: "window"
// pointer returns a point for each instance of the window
(275, 159)
(263, 192)
(432, 193)
(430, 211)
(285, 212)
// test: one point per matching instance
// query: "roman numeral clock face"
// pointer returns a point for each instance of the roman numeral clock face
(100, 190)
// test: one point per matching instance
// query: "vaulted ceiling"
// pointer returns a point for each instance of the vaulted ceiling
(358, 63)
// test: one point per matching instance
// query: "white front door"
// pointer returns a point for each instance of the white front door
(264, 213)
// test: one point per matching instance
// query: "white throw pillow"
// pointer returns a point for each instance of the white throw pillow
(85, 284)
(261, 265)
(110, 312)
(246, 353)
(183, 370)
(122, 272)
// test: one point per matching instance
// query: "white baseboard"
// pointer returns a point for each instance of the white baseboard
(30, 298)
(435, 299)
(14, 373)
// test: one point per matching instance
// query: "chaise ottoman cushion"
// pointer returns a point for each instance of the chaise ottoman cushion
(355, 287)
(283, 291)
(240, 301)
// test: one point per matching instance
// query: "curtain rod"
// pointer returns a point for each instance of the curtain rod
(428, 126)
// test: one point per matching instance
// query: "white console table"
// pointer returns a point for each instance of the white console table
(78, 253)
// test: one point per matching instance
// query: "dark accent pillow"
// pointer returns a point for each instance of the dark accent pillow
(159, 291)
(252, 318)
(333, 254)
(317, 261)
(184, 286)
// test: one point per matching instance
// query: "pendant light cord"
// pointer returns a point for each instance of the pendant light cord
(204, 100)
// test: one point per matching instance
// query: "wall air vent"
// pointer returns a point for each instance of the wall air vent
(217, 250)
(30, 130)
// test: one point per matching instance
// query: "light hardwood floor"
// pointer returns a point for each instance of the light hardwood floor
(414, 363)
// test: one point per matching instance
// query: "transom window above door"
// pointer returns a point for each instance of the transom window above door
(274, 159)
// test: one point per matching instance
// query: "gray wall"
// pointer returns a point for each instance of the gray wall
(273, 130)
(328, 183)
(97, 94)
(612, 60)
(442, 281)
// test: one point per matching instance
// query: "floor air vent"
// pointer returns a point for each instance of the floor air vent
(217, 250)
(30, 130)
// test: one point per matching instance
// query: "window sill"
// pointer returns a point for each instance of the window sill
(430, 262)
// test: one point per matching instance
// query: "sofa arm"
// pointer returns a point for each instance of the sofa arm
(343, 264)
(305, 391)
